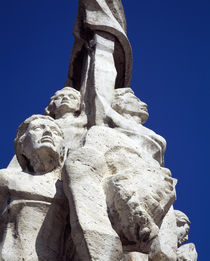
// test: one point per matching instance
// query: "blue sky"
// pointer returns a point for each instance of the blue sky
(171, 73)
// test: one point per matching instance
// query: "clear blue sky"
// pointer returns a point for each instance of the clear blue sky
(171, 49)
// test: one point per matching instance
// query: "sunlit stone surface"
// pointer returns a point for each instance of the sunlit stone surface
(88, 181)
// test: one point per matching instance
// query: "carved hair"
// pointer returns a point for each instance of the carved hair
(21, 135)
(49, 110)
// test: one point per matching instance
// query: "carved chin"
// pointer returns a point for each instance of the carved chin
(43, 160)
(64, 108)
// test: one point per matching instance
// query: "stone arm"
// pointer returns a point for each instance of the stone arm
(82, 176)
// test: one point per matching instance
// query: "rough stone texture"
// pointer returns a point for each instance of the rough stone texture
(104, 16)
(65, 108)
(164, 246)
(135, 257)
(88, 181)
(187, 253)
(32, 201)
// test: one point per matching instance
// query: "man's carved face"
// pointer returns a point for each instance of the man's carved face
(66, 101)
(182, 232)
(128, 103)
(43, 145)
(43, 133)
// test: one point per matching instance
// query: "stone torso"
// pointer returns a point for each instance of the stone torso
(33, 217)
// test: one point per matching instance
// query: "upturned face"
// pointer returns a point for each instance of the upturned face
(43, 134)
(65, 101)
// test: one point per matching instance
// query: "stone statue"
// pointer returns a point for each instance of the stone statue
(183, 226)
(132, 113)
(88, 181)
(103, 18)
(173, 233)
(32, 201)
(64, 107)
(101, 58)
(113, 162)
(187, 251)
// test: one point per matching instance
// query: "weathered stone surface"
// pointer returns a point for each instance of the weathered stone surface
(92, 232)
(103, 16)
(187, 252)
(183, 226)
(65, 108)
(135, 256)
(131, 114)
(164, 247)
(138, 195)
(88, 181)
(32, 201)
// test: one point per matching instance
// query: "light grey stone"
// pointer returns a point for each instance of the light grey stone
(183, 226)
(138, 195)
(88, 181)
(187, 252)
(164, 247)
(135, 256)
(100, 16)
(92, 232)
(131, 114)
(33, 208)
(65, 108)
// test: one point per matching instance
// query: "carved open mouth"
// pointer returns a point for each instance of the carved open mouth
(47, 139)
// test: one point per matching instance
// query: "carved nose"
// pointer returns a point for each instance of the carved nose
(47, 132)
(65, 98)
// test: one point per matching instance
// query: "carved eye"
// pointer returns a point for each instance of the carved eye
(59, 97)
(37, 128)
(56, 132)
(72, 96)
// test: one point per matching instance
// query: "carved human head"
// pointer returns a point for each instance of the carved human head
(64, 101)
(39, 145)
(126, 103)
(183, 226)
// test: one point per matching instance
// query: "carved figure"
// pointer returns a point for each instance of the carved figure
(138, 195)
(64, 107)
(94, 189)
(183, 226)
(127, 117)
(32, 201)
(187, 251)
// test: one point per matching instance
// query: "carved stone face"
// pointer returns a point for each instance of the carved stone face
(64, 101)
(183, 226)
(182, 233)
(128, 104)
(43, 133)
(135, 106)
(42, 146)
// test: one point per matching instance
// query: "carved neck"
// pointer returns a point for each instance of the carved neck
(61, 114)
(43, 162)
(132, 118)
